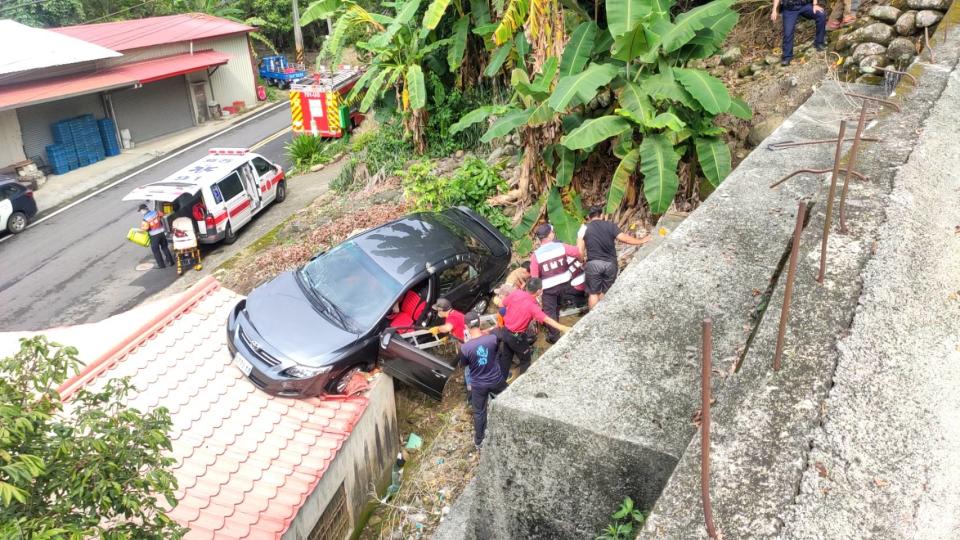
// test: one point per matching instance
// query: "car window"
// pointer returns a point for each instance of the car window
(354, 282)
(230, 186)
(9, 191)
(457, 274)
(262, 166)
(474, 244)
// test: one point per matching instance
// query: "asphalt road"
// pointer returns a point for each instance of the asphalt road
(78, 267)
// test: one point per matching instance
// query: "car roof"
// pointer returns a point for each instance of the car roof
(405, 247)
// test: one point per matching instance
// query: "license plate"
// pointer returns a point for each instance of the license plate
(245, 366)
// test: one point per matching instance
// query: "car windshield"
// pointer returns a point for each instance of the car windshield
(356, 285)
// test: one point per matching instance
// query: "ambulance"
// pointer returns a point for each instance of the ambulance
(220, 192)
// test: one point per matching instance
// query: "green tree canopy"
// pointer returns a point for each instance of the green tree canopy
(93, 468)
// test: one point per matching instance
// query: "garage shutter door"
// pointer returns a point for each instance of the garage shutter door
(35, 120)
(156, 109)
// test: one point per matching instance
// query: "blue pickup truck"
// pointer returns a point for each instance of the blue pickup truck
(278, 72)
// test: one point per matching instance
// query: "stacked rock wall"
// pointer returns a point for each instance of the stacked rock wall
(889, 36)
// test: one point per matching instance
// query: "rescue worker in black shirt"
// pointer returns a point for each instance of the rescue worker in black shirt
(480, 354)
(597, 242)
(791, 10)
(152, 222)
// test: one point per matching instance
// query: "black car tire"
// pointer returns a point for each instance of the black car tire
(17, 222)
(281, 191)
(229, 236)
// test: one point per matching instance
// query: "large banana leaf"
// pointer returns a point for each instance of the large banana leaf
(602, 43)
(714, 157)
(664, 86)
(416, 87)
(539, 89)
(481, 11)
(316, 11)
(720, 25)
(565, 226)
(506, 124)
(632, 44)
(404, 16)
(566, 163)
(660, 8)
(458, 42)
(658, 163)
(708, 90)
(621, 180)
(435, 12)
(595, 130)
(541, 114)
(497, 59)
(477, 115)
(740, 109)
(573, 90)
(683, 29)
(577, 52)
(514, 17)
(636, 102)
(529, 219)
(667, 120)
(624, 15)
(373, 91)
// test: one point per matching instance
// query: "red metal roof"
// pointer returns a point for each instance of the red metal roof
(20, 95)
(246, 461)
(133, 34)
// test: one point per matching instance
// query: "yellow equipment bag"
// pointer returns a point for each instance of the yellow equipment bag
(139, 237)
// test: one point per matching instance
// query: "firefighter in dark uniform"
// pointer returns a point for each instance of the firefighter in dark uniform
(791, 10)
(553, 262)
(153, 224)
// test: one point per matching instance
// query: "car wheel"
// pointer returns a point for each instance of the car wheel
(283, 85)
(17, 222)
(229, 236)
(281, 191)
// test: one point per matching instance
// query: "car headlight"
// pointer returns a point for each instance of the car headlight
(305, 372)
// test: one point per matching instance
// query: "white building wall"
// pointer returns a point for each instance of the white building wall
(11, 142)
(234, 81)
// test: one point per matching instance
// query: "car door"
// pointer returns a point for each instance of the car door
(266, 173)
(6, 207)
(419, 369)
(459, 282)
(236, 200)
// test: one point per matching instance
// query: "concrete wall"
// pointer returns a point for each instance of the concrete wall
(11, 142)
(363, 461)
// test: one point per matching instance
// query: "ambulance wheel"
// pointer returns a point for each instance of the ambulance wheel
(229, 236)
(281, 191)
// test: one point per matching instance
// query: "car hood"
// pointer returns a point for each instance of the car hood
(283, 317)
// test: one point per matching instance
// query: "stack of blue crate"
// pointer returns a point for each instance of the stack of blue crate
(63, 137)
(108, 134)
(57, 156)
(86, 137)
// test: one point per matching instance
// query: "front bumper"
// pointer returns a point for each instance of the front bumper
(262, 374)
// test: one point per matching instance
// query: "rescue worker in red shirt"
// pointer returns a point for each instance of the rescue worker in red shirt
(554, 262)
(517, 335)
(453, 322)
(152, 222)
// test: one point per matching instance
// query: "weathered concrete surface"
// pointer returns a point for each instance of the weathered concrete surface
(887, 457)
(881, 423)
(606, 412)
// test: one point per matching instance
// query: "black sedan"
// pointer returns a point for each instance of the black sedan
(298, 334)
(17, 206)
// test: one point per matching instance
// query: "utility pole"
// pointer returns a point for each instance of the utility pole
(297, 33)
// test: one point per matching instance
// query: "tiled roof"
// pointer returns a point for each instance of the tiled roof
(246, 461)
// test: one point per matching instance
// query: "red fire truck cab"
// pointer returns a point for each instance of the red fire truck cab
(319, 108)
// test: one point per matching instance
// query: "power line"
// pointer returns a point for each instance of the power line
(118, 12)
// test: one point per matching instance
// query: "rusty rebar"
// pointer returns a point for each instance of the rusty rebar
(851, 163)
(705, 371)
(792, 144)
(788, 289)
(813, 171)
(886, 102)
(828, 218)
(897, 72)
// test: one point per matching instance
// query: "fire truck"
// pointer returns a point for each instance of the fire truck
(319, 107)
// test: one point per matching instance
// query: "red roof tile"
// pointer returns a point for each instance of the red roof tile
(246, 461)
(136, 33)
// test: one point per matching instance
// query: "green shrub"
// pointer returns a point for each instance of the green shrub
(471, 185)
(446, 108)
(627, 521)
(305, 151)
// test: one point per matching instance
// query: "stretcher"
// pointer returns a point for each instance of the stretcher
(424, 340)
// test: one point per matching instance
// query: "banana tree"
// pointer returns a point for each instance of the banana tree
(664, 113)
